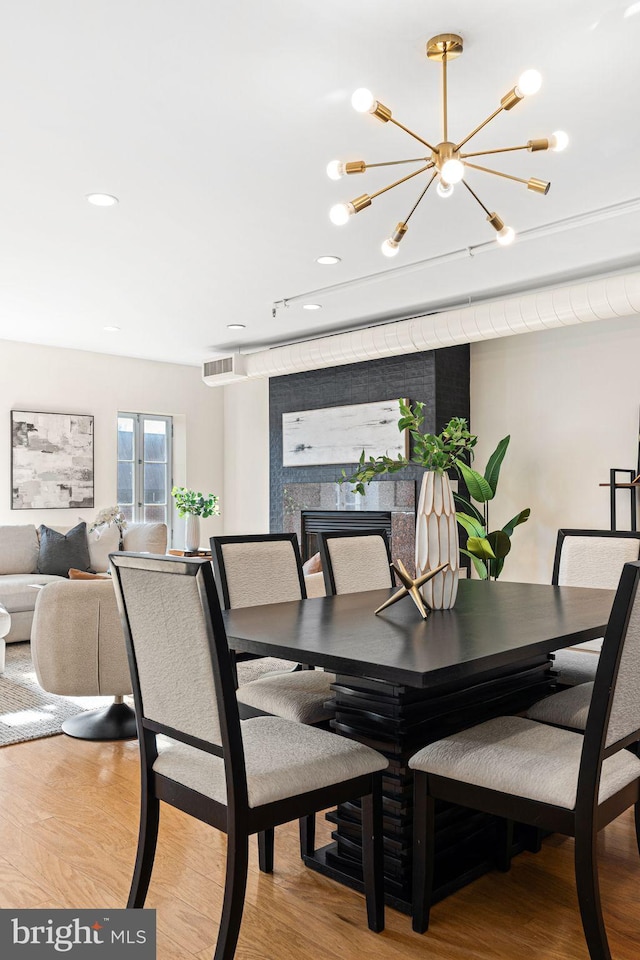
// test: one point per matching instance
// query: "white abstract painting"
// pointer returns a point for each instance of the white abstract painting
(51, 461)
(340, 434)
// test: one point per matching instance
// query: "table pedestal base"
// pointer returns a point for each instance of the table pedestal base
(398, 721)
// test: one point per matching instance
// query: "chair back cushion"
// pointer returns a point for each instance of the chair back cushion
(594, 561)
(18, 549)
(261, 571)
(357, 563)
(169, 632)
(624, 718)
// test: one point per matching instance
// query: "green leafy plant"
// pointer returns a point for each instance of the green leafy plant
(437, 452)
(188, 501)
(487, 550)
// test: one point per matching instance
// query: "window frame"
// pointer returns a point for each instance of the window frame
(139, 464)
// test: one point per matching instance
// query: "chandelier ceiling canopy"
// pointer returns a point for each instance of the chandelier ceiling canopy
(446, 163)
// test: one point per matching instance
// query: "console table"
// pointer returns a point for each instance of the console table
(402, 682)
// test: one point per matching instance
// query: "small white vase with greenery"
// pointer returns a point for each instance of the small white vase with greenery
(192, 505)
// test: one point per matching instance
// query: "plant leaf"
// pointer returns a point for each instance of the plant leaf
(492, 471)
(480, 547)
(521, 517)
(480, 565)
(478, 487)
(471, 525)
(500, 543)
(468, 507)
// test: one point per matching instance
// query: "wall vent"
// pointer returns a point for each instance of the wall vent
(225, 370)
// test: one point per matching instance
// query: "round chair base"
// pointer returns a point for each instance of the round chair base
(115, 722)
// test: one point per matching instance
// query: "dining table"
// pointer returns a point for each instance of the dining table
(402, 682)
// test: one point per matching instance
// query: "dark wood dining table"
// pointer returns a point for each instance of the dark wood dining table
(402, 682)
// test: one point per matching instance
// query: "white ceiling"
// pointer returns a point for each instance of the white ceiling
(213, 124)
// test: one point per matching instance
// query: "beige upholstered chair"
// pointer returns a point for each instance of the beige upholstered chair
(254, 570)
(584, 558)
(78, 650)
(240, 777)
(355, 561)
(548, 777)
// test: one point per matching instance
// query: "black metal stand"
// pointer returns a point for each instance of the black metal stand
(115, 722)
(614, 485)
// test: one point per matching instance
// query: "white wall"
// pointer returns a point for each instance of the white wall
(246, 457)
(54, 380)
(569, 398)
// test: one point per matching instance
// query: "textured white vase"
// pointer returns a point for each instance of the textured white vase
(437, 540)
(192, 533)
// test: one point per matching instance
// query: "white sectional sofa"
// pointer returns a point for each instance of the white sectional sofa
(19, 575)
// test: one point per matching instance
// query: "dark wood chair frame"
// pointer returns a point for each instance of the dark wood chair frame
(563, 534)
(307, 824)
(582, 823)
(237, 819)
(325, 554)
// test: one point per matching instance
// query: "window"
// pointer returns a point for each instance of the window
(144, 467)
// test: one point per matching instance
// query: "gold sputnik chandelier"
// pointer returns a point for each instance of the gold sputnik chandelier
(446, 163)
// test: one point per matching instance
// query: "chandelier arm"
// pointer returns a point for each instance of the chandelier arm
(496, 173)
(409, 176)
(412, 134)
(477, 198)
(480, 126)
(393, 163)
(413, 208)
(484, 153)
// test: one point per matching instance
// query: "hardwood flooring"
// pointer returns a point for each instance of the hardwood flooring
(68, 821)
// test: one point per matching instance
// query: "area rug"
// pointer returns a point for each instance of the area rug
(27, 712)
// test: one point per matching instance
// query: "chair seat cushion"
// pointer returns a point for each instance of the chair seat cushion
(283, 759)
(575, 666)
(569, 708)
(299, 696)
(249, 670)
(525, 759)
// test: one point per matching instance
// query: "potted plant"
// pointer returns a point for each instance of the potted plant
(194, 505)
(436, 530)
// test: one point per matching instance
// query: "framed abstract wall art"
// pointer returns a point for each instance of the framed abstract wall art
(51, 461)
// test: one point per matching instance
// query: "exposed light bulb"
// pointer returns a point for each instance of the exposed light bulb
(559, 141)
(363, 100)
(444, 189)
(452, 171)
(505, 236)
(529, 83)
(390, 247)
(340, 213)
(335, 170)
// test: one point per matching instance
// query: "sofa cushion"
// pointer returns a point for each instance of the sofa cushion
(60, 551)
(18, 549)
(146, 538)
(18, 591)
(101, 544)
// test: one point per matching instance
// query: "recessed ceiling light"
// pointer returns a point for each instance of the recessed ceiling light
(312, 306)
(327, 260)
(236, 326)
(102, 199)
(111, 329)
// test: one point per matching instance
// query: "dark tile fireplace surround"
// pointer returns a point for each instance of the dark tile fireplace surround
(305, 499)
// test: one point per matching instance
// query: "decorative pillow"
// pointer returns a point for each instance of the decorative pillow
(84, 575)
(312, 565)
(61, 551)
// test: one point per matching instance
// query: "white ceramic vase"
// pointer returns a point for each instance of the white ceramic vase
(437, 540)
(192, 533)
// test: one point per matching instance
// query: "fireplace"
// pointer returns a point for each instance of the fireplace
(309, 508)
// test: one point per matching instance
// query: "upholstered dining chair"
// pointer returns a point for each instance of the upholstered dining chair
(241, 777)
(551, 778)
(255, 570)
(355, 560)
(583, 558)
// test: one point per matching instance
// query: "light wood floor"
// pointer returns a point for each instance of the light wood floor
(68, 820)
